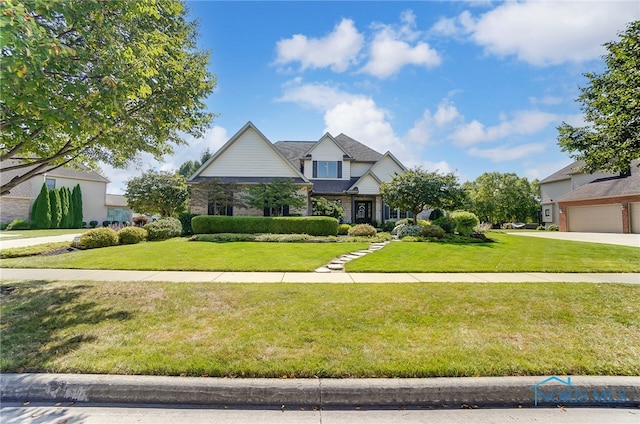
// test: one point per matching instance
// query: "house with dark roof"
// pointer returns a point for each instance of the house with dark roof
(336, 168)
(599, 202)
(97, 205)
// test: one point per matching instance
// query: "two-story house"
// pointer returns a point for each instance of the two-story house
(336, 168)
(599, 202)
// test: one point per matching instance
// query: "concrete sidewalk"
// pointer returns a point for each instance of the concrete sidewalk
(322, 392)
(312, 277)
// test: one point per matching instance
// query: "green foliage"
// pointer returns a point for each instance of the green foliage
(315, 226)
(67, 210)
(98, 81)
(411, 239)
(191, 166)
(163, 229)
(446, 223)
(275, 195)
(131, 235)
(498, 198)
(76, 205)
(20, 224)
(223, 237)
(283, 238)
(157, 192)
(416, 190)
(93, 224)
(465, 222)
(185, 220)
(388, 226)
(611, 138)
(431, 231)
(98, 237)
(324, 207)
(41, 213)
(56, 208)
(408, 230)
(435, 214)
(343, 229)
(378, 238)
(362, 230)
(553, 227)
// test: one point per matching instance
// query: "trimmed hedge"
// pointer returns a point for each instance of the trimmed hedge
(98, 237)
(163, 229)
(311, 225)
(132, 235)
(362, 230)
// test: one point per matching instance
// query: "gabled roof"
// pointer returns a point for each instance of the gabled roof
(333, 186)
(233, 139)
(369, 173)
(357, 150)
(565, 173)
(328, 136)
(295, 150)
(606, 187)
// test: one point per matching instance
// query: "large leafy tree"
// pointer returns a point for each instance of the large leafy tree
(93, 80)
(611, 106)
(274, 196)
(498, 198)
(157, 192)
(417, 189)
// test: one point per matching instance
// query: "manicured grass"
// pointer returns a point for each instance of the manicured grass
(38, 249)
(324, 330)
(181, 255)
(509, 253)
(23, 234)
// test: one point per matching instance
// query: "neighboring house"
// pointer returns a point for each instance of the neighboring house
(599, 202)
(336, 168)
(97, 205)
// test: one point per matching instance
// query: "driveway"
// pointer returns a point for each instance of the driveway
(632, 240)
(9, 244)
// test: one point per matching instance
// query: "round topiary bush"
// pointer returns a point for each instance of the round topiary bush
(432, 231)
(409, 230)
(362, 230)
(98, 237)
(446, 223)
(465, 222)
(163, 229)
(132, 235)
(343, 229)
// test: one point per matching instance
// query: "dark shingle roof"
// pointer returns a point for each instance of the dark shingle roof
(332, 186)
(606, 187)
(565, 173)
(295, 150)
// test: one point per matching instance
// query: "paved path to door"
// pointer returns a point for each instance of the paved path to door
(632, 240)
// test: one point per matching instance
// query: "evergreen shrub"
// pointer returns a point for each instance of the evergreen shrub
(362, 230)
(311, 225)
(343, 229)
(132, 235)
(98, 237)
(163, 229)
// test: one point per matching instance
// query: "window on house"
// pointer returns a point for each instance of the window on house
(547, 212)
(327, 169)
(51, 183)
(395, 214)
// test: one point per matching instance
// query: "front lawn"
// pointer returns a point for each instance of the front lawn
(509, 253)
(323, 330)
(181, 255)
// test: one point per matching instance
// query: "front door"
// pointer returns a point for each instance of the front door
(364, 212)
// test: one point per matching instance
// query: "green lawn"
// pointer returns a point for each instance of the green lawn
(510, 253)
(23, 234)
(324, 330)
(181, 255)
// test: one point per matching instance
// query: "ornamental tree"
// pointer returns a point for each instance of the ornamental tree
(93, 80)
(56, 208)
(416, 190)
(274, 196)
(41, 212)
(76, 206)
(611, 106)
(157, 192)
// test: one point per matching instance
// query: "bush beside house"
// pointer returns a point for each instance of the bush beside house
(313, 226)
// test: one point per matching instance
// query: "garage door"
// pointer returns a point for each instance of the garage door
(634, 211)
(595, 219)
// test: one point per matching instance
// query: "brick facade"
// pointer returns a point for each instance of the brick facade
(14, 208)
(622, 201)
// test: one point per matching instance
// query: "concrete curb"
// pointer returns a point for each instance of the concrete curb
(324, 393)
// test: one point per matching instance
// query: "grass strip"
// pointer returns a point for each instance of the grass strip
(323, 330)
(38, 249)
(509, 253)
(181, 255)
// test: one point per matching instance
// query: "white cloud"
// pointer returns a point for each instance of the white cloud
(337, 50)
(545, 169)
(547, 100)
(523, 123)
(551, 32)
(315, 95)
(454, 27)
(424, 128)
(441, 166)
(394, 47)
(507, 153)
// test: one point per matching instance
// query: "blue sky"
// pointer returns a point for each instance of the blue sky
(466, 87)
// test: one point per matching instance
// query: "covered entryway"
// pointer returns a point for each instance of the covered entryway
(363, 211)
(595, 219)
(634, 215)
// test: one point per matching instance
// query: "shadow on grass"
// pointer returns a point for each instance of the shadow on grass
(40, 324)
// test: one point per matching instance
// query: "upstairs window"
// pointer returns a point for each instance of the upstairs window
(51, 183)
(327, 169)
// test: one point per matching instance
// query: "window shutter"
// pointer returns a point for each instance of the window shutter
(315, 169)
(339, 169)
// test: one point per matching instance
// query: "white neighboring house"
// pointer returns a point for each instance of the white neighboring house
(336, 168)
(97, 205)
(599, 202)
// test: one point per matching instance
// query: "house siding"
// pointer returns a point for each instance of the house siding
(14, 208)
(386, 168)
(358, 169)
(368, 186)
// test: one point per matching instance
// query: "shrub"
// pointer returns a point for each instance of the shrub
(553, 227)
(140, 220)
(446, 223)
(409, 230)
(432, 231)
(465, 222)
(93, 224)
(312, 225)
(20, 224)
(283, 238)
(163, 229)
(436, 214)
(324, 207)
(378, 238)
(343, 229)
(185, 220)
(98, 237)
(507, 226)
(132, 235)
(541, 228)
(411, 239)
(375, 224)
(106, 223)
(483, 227)
(223, 237)
(362, 230)
(388, 226)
